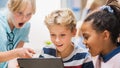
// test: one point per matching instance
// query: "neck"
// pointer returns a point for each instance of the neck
(66, 52)
(109, 49)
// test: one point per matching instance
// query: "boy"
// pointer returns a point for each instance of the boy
(62, 27)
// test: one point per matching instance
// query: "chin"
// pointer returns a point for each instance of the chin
(18, 27)
(93, 55)
(60, 50)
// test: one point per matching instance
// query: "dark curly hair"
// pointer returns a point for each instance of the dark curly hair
(103, 19)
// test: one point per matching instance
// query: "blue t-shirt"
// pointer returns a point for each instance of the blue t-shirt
(9, 39)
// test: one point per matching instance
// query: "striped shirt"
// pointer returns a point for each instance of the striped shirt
(79, 58)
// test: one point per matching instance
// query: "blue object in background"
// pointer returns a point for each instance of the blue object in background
(3, 3)
(77, 13)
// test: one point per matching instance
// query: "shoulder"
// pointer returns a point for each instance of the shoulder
(3, 14)
(83, 54)
(48, 49)
(114, 55)
(3, 18)
(3, 21)
(77, 58)
(116, 58)
(78, 54)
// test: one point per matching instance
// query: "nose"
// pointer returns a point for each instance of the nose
(57, 39)
(24, 18)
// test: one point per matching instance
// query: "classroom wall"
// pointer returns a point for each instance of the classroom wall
(38, 32)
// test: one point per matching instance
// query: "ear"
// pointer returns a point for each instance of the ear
(74, 32)
(106, 34)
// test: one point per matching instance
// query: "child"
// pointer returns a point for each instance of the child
(100, 30)
(14, 30)
(62, 27)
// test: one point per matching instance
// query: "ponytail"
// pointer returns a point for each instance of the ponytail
(117, 14)
(116, 11)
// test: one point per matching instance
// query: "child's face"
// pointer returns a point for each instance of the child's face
(92, 39)
(21, 17)
(61, 37)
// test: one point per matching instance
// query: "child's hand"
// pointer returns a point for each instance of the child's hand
(25, 52)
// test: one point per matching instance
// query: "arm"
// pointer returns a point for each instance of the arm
(19, 52)
(20, 44)
(13, 63)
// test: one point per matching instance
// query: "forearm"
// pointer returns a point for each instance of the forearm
(18, 52)
(20, 44)
(5, 56)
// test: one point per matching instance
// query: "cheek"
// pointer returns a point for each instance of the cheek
(95, 49)
(52, 39)
(16, 18)
(67, 39)
(28, 18)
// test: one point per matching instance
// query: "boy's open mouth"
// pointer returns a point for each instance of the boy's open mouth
(59, 45)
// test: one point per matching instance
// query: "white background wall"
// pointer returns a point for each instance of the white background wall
(38, 32)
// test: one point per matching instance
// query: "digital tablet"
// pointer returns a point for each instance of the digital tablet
(40, 63)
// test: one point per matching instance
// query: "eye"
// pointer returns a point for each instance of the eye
(20, 13)
(62, 35)
(85, 36)
(28, 15)
(52, 34)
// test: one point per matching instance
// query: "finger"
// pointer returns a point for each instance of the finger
(29, 55)
(31, 51)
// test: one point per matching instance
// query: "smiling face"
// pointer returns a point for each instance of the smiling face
(92, 39)
(61, 37)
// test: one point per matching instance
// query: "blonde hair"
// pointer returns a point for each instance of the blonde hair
(16, 5)
(63, 17)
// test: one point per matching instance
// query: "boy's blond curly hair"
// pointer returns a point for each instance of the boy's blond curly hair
(63, 17)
